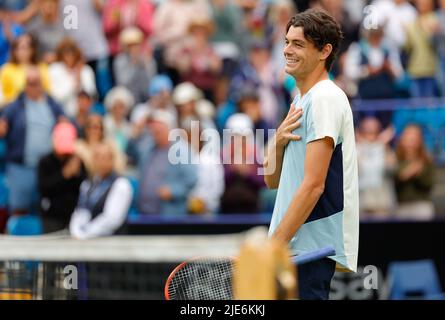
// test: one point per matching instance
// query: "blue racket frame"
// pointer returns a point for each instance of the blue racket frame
(313, 255)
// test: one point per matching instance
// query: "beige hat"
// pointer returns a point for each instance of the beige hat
(205, 109)
(201, 22)
(186, 92)
(131, 35)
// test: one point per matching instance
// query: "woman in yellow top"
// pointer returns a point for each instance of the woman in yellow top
(13, 73)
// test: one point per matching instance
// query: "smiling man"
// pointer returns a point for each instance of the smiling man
(312, 159)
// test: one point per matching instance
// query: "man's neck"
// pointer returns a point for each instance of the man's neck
(35, 99)
(305, 84)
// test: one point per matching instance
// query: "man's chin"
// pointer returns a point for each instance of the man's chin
(290, 71)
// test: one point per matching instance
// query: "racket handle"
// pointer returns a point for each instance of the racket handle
(313, 255)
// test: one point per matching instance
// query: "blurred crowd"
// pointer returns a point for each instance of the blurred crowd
(91, 89)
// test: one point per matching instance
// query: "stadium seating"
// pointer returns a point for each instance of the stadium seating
(414, 280)
(26, 225)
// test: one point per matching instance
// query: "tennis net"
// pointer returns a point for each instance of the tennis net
(121, 267)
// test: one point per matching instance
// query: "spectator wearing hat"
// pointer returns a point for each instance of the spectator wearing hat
(121, 14)
(104, 200)
(165, 182)
(160, 97)
(94, 134)
(187, 98)
(242, 182)
(69, 75)
(27, 124)
(205, 196)
(134, 67)
(199, 64)
(60, 174)
(160, 92)
(190, 105)
(119, 101)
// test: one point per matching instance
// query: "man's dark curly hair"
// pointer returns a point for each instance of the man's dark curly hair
(320, 29)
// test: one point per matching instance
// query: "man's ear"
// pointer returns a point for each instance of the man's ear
(326, 51)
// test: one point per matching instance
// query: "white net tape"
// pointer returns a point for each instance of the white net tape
(118, 248)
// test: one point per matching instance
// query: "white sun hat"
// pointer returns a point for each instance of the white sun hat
(186, 92)
(240, 123)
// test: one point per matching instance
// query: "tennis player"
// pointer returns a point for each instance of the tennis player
(314, 158)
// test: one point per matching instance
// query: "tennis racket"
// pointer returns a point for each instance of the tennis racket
(202, 278)
(207, 278)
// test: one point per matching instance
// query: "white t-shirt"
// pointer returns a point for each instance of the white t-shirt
(335, 218)
(395, 18)
(63, 85)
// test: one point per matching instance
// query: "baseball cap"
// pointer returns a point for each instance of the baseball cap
(159, 83)
(64, 138)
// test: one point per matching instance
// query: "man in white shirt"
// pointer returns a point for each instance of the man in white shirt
(313, 162)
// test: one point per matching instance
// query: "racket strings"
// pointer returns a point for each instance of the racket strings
(203, 279)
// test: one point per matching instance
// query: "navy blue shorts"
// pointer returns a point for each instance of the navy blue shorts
(314, 279)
